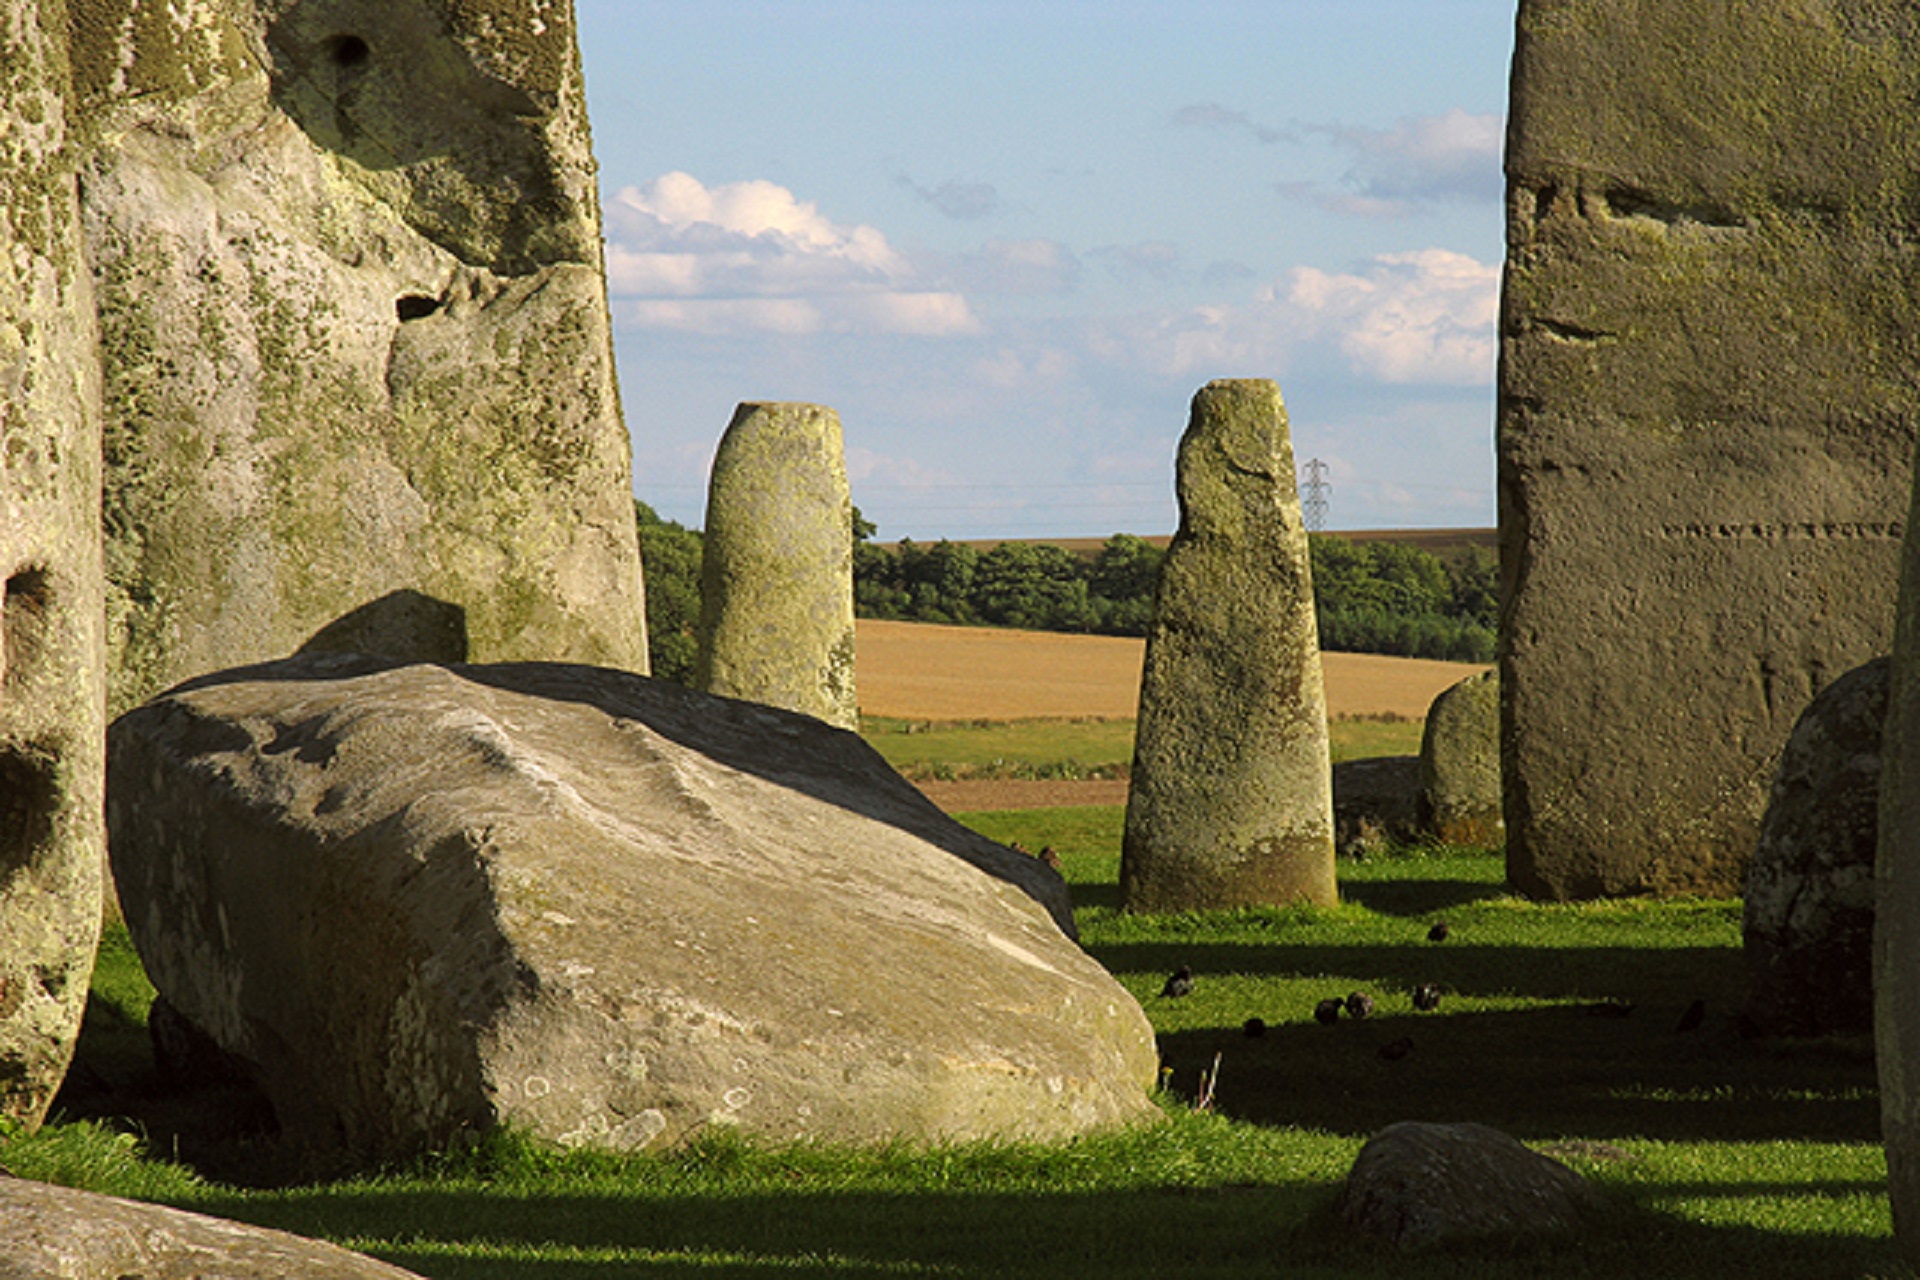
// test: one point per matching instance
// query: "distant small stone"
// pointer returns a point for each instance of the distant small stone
(1426, 997)
(1179, 984)
(1327, 1012)
(1359, 1005)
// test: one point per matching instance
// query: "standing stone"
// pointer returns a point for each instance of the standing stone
(1896, 922)
(51, 647)
(776, 577)
(359, 385)
(1231, 802)
(1460, 764)
(1708, 396)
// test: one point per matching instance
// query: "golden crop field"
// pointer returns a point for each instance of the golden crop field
(920, 671)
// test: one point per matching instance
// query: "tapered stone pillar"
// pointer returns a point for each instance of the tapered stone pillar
(776, 576)
(1232, 795)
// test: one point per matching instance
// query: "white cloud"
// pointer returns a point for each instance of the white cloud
(1211, 115)
(1019, 267)
(1421, 317)
(1422, 159)
(751, 256)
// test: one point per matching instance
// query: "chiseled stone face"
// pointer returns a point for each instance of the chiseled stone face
(776, 573)
(1708, 396)
(1460, 763)
(1231, 802)
(359, 388)
(51, 657)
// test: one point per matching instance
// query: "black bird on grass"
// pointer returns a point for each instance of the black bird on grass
(1426, 997)
(1695, 1015)
(1180, 984)
(1327, 1012)
(1394, 1050)
(1359, 1004)
(1254, 1028)
(1439, 931)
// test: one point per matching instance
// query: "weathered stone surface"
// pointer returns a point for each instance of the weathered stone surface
(776, 574)
(1809, 895)
(1460, 764)
(57, 1233)
(1231, 799)
(1707, 413)
(354, 333)
(604, 908)
(1896, 923)
(1375, 804)
(1416, 1184)
(51, 645)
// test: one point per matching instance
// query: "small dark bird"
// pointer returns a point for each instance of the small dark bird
(1048, 856)
(1609, 1009)
(1439, 932)
(1359, 1005)
(1254, 1028)
(1426, 997)
(1327, 1012)
(1180, 984)
(1394, 1050)
(1695, 1015)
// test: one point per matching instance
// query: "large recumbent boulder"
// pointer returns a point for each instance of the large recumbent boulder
(417, 899)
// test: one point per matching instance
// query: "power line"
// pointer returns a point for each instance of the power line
(1314, 506)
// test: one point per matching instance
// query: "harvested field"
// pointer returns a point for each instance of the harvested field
(920, 671)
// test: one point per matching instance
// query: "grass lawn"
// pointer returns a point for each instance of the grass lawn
(1721, 1156)
(924, 749)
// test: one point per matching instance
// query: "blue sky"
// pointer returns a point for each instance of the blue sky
(1008, 241)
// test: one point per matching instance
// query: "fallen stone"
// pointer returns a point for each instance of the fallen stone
(1375, 804)
(417, 900)
(776, 570)
(1707, 414)
(56, 1233)
(1415, 1185)
(1460, 764)
(1231, 800)
(1809, 894)
(52, 648)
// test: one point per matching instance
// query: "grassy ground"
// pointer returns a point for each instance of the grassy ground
(1723, 1156)
(1080, 748)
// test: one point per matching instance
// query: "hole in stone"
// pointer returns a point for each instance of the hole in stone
(28, 800)
(348, 51)
(416, 306)
(23, 620)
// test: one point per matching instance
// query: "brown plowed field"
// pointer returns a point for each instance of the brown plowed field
(919, 671)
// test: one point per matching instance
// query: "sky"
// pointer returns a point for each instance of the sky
(1007, 241)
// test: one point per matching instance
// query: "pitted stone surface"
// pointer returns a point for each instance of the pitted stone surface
(606, 909)
(1231, 798)
(1460, 764)
(1707, 414)
(1809, 892)
(776, 573)
(51, 645)
(1416, 1185)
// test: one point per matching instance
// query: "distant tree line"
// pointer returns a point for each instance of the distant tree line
(1372, 597)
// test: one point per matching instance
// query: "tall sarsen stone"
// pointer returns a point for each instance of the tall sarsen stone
(1232, 799)
(51, 664)
(1708, 393)
(776, 572)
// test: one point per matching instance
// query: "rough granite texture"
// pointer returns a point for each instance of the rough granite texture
(776, 572)
(1231, 802)
(1459, 799)
(57, 1233)
(355, 336)
(51, 646)
(1416, 1185)
(609, 910)
(1809, 892)
(1709, 364)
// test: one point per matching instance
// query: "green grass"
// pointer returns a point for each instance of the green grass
(925, 749)
(1742, 1158)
